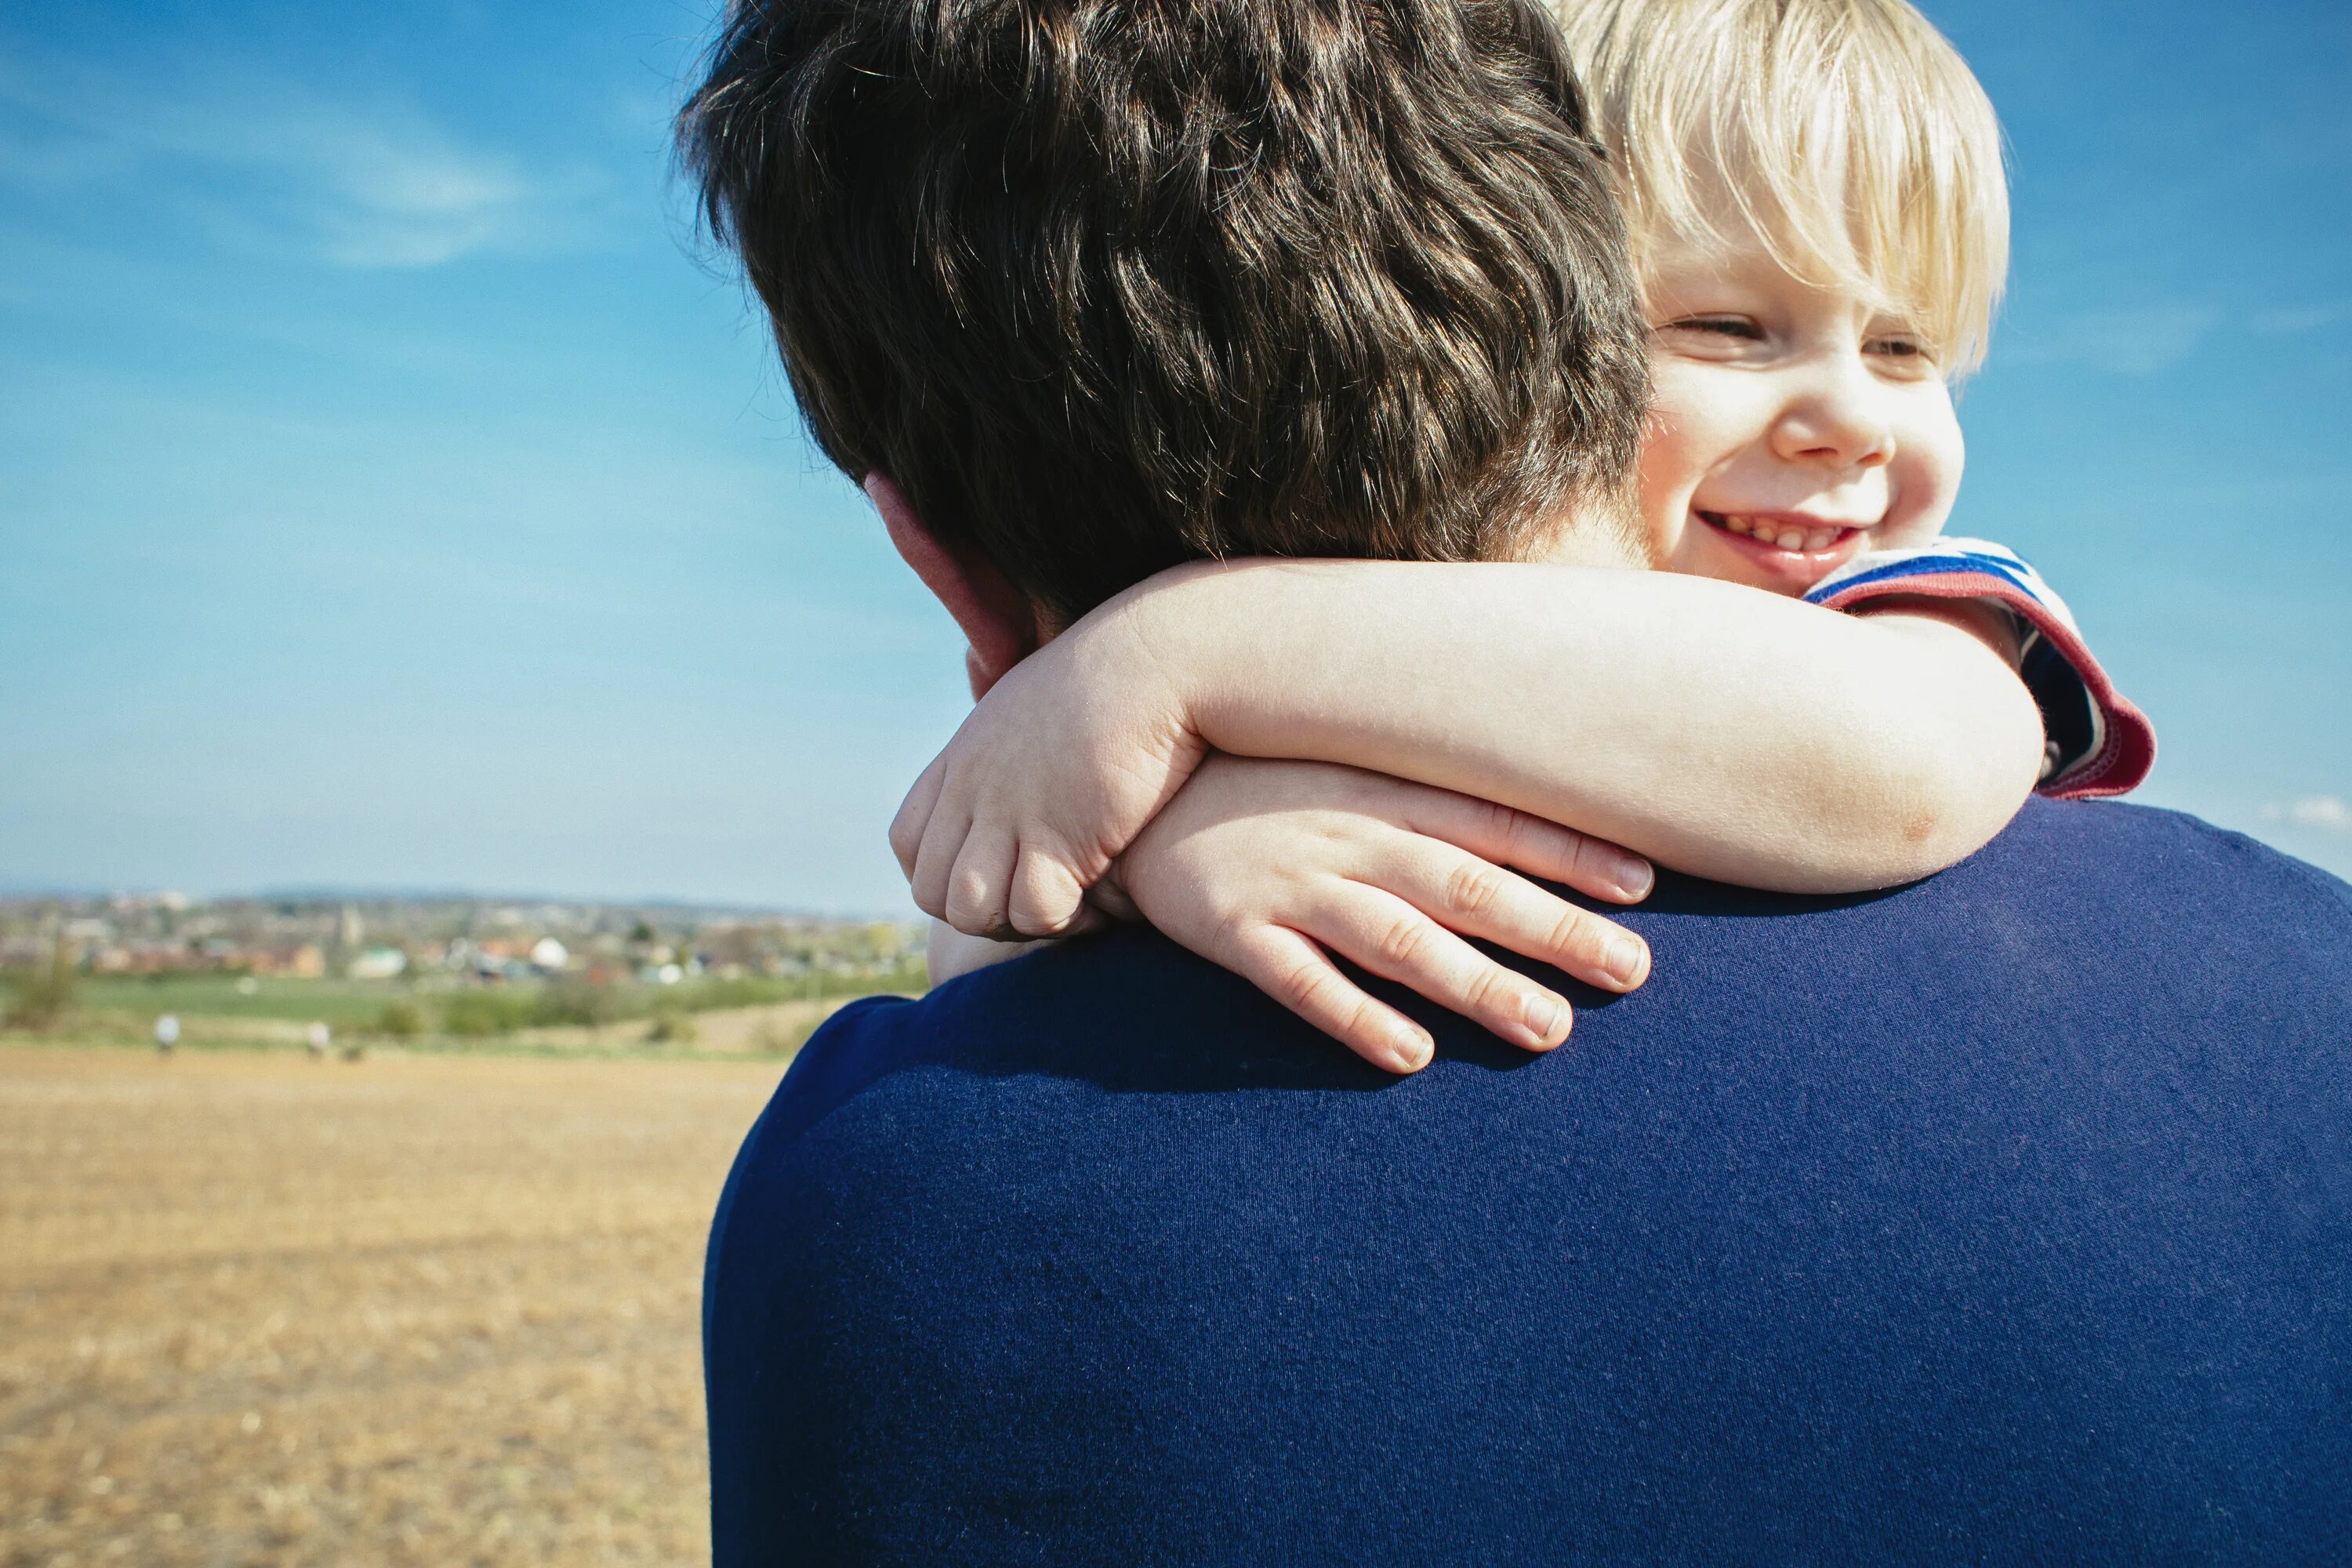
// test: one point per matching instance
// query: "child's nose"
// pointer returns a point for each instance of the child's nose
(1838, 418)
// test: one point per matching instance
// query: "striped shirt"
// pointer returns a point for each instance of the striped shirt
(2098, 744)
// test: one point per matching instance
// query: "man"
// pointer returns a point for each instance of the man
(2005, 1216)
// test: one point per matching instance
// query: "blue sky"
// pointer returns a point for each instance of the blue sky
(392, 494)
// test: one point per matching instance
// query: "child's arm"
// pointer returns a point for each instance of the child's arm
(2096, 742)
(1717, 729)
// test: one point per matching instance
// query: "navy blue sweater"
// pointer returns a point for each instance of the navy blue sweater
(2004, 1217)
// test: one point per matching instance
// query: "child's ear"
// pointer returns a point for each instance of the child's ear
(997, 618)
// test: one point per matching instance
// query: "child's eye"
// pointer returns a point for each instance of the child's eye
(1738, 327)
(1902, 354)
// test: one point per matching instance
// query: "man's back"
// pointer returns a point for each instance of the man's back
(2006, 1215)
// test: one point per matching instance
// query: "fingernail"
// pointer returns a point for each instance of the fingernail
(1414, 1047)
(1635, 878)
(1625, 959)
(1543, 1016)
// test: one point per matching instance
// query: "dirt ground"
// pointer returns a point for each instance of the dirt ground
(261, 1310)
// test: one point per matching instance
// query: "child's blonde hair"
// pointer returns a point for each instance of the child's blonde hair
(1847, 136)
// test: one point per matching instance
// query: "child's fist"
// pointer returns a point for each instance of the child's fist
(1054, 773)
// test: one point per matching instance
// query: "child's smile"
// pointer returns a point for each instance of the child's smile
(1792, 426)
(1791, 548)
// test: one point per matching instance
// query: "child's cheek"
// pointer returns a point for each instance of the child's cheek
(1678, 448)
(1665, 508)
(1929, 458)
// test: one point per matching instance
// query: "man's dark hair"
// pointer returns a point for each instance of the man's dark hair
(1105, 285)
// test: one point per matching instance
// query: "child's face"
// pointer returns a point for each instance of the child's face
(1792, 426)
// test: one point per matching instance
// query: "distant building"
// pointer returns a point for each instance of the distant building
(379, 963)
(295, 938)
(501, 957)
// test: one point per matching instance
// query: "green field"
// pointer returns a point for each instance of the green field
(345, 1003)
(761, 1015)
(360, 1002)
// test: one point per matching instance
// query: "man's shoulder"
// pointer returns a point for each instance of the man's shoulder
(2096, 824)
(1126, 1009)
(2142, 853)
(2112, 892)
(2068, 916)
(2082, 919)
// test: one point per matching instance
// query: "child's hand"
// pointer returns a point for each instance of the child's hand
(1262, 866)
(1053, 774)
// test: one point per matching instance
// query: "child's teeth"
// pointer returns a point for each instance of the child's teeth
(1765, 531)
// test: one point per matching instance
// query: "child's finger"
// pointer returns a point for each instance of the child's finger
(1593, 866)
(914, 812)
(1112, 898)
(1389, 936)
(935, 860)
(978, 886)
(1465, 893)
(1295, 972)
(1087, 921)
(1047, 900)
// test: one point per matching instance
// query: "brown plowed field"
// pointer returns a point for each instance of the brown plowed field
(257, 1309)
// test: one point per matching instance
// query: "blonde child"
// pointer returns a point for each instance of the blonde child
(1857, 167)
(1815, 198)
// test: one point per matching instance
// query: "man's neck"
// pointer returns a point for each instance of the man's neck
(1588, 536)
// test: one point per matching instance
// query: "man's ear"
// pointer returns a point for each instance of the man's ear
(997, 618)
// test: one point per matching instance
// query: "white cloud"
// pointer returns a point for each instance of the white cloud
(2306, 319)
(2151, 339)
(2138, 341)
(2327, 811)
(360, 182)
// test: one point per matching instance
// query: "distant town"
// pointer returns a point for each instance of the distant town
(311, 938)
(430, 967)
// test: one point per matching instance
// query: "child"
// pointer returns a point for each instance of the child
(1713, 186)
(1814, 192)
